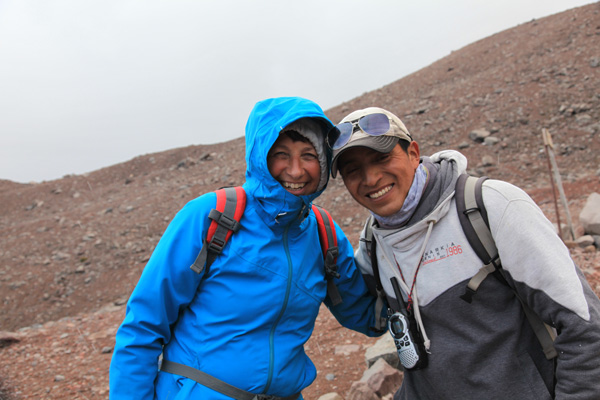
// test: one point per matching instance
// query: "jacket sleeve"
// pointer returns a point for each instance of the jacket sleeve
(166, 285)
(543, 273)
(357, 310)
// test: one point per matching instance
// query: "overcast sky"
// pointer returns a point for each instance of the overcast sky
(86, 84)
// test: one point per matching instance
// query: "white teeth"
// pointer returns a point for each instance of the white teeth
(293, 185)
(383, 191)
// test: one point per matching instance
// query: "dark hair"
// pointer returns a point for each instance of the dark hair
(404, 144)
(295, 136)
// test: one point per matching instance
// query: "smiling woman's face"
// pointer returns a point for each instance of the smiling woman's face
(295, 165)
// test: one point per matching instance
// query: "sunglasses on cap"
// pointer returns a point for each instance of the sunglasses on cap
(372, 124)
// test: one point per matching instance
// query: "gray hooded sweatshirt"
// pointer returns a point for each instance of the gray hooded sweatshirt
(487, 349)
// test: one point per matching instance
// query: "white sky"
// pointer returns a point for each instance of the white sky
(85, 84)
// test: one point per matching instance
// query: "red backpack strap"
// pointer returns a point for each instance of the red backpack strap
(226, 216)
(328, 239)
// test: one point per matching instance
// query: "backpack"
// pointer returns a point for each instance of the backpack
(474, 222)
(225, 220)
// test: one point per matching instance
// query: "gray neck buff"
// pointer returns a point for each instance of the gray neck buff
(430, 192)
(410, 203)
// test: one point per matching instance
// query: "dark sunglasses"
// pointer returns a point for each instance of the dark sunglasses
(373, 125)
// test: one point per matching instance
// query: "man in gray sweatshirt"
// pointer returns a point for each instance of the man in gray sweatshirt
(485, 349)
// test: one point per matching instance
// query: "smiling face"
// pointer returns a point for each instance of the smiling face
(295, 165)
(379, 181)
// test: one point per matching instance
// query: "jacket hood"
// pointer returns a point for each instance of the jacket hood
(446, 165)
(459, 161)
(267, 119)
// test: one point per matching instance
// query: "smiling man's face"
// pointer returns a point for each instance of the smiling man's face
(379, 181)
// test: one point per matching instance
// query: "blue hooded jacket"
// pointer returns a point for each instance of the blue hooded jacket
(247, 320)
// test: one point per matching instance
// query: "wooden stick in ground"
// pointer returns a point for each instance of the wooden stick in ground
(553, 187)
(549, 146)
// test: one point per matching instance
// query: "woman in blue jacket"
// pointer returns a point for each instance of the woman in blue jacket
(246, 321)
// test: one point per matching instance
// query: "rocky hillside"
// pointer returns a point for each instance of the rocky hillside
(71, 250)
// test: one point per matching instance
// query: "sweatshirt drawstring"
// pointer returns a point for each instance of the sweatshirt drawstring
(413, 300)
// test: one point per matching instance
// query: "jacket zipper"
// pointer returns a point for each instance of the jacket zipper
(281, 312)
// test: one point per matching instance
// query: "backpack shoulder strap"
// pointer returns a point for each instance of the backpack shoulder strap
(473, 218)
(371, 245)
(226, 216)
(328, 239)
(474, 221)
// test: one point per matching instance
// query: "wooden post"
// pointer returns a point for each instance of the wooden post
(549, 147)
(544, 132)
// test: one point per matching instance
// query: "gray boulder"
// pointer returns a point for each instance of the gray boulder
(479, 135)
(382, 378)
(383, 348)
(361, 391)
(590, 215)
(331, 396)
(585, 241)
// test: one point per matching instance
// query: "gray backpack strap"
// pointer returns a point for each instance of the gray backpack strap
(544, 332)
(474, 221)
(216, 384)
(371, 244)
